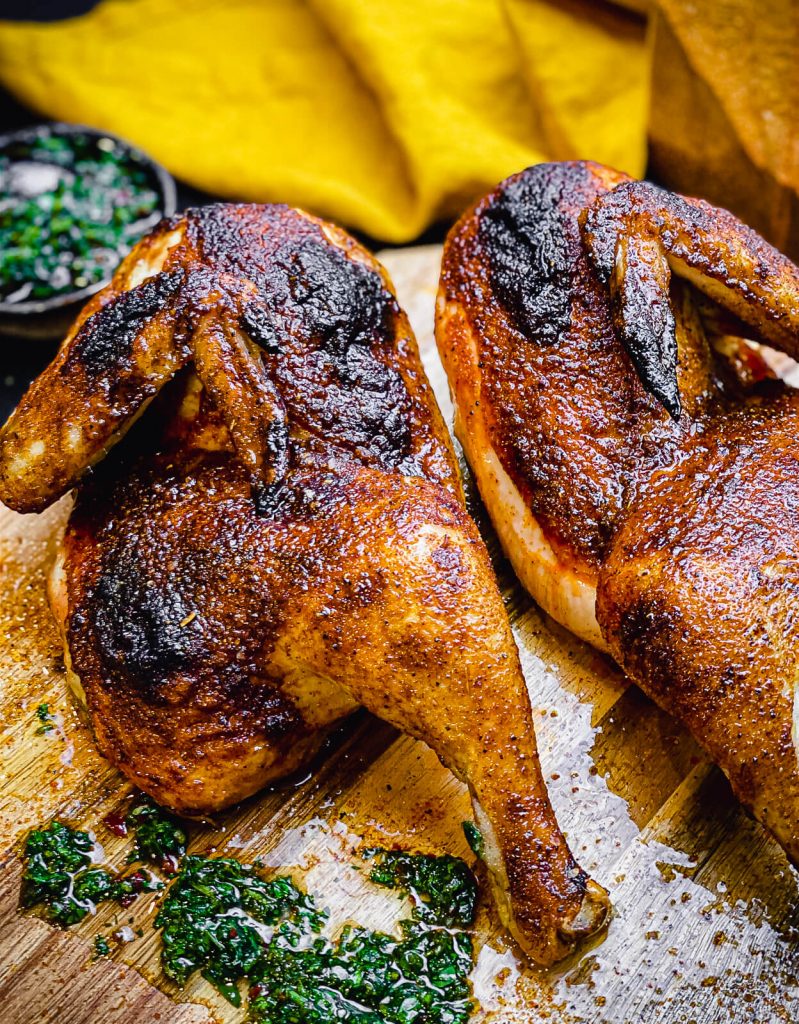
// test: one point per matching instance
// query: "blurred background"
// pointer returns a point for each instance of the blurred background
(390, 118)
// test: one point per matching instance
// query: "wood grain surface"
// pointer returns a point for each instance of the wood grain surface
(705, 923)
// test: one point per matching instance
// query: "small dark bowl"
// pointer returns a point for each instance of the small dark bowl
(46, 319)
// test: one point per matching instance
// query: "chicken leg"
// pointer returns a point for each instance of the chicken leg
(699, 601)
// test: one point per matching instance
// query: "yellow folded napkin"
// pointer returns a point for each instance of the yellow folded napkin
(385, 116)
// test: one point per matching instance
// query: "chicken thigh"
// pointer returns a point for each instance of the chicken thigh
(699, 600)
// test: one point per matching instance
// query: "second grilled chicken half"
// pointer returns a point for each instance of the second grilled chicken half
(637, 455)
(280, 538)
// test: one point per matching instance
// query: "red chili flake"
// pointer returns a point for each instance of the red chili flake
(116, 823)
(127, 899)
(257, 990)
(137, 880)
(169, 865)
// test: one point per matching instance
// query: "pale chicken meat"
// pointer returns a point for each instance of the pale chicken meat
(639, 459)
(278, 539)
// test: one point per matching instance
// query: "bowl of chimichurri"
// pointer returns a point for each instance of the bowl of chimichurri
(73, 202)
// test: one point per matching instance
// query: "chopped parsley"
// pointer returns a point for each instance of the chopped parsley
(160, 840)
(220, 917)
(443, 889)
(474, 837)
(61, 874)
(224, 919)
(213, 920)
(46, 719)
(364, 977)
(72, 206)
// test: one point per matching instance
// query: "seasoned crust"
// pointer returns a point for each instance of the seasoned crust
(156, 540)
(120, 350)
(163, 524)
(565, 592)
(700, 608)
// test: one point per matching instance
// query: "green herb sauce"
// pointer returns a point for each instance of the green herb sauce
(214, 918)
(442, 888)
(71, 206)
(160, 840)
(364, 977)
(63, 875)
(221, 918)
(474, 837)
(46, 719)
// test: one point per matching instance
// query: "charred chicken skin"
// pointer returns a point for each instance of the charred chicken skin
(638, 458)
(279, 539)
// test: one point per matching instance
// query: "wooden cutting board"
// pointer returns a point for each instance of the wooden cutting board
(704, 927)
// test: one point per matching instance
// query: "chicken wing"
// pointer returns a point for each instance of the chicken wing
(637, 232)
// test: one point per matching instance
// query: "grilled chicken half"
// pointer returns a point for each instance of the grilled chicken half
(637, 457)
(279, 539)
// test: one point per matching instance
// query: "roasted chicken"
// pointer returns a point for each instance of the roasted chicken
(636, 453)
(279, 539)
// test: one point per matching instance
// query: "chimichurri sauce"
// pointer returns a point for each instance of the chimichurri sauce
(71, 206)
(223, 918)
(65, 875)
(160, 839)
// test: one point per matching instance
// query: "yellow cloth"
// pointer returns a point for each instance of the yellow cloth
(385, 115)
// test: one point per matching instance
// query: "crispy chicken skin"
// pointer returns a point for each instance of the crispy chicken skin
(280, 539)
(625, 439)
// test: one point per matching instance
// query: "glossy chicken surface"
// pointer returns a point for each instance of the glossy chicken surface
(637, 457)
(699, 600)
(279, 539)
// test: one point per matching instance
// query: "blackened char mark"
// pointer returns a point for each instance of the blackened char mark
(141, 620)
(643, 318)
(343, 312)
(331, 299)
(527, 233)
(106, 339)
(328, 319)
(257, 323)
(308, 287)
